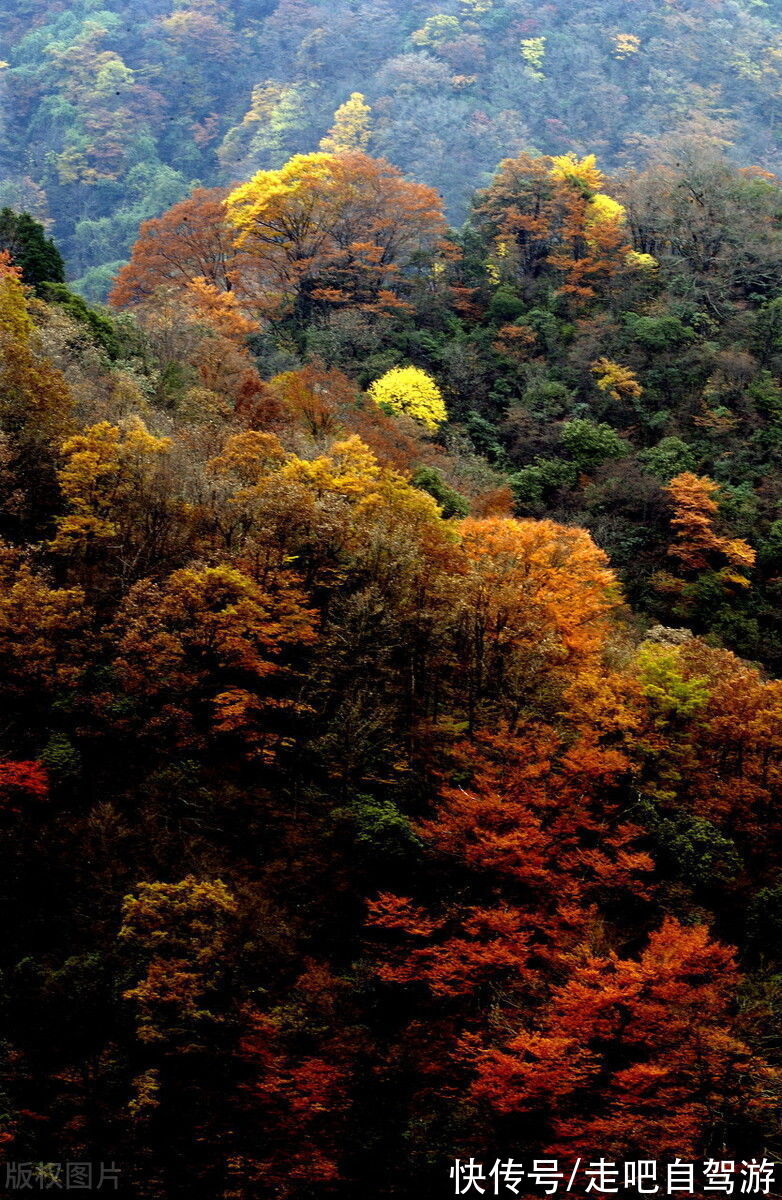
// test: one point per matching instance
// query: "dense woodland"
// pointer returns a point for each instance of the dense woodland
(112, 113)
(390, 622)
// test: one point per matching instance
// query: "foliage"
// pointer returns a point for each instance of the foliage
(109, 127)
(411, 391)
(351, 129)
(332, 229)
(381, 779)
(26, 242)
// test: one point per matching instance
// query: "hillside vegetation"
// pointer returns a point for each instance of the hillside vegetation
(112, 116)
(390, 635)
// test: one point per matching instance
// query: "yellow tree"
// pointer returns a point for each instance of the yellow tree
(124, 512)
(352, 127)
(618, 381)
(411, 391)
(179, 934)
(107, 471)
(35, 402)
(178, 941)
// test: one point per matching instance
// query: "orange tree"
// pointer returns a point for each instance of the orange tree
(334, 229)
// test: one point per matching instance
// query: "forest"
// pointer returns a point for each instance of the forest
(110, 115)
(391, 605)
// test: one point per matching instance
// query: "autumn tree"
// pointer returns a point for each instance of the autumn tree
(44, 638)
(179, 932)
(331, 229)
(116, 482)
(692, 210)
(298, 1079)
(35, 402)
(534, 599)
(550, 217)
(629, 1054)
(270, 131)
(199, 336)
(411, 391)
(533, 854)
(23, 786)
(712, 742)
(192, 241)
(698, 546)
(177, 946)
(207, 652)
(539, 820)
(351, 130)
(320, 400)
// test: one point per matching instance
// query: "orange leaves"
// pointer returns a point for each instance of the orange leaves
(194, 649)
(534, 598)
(538, 811)
(7, 268)
(191, 241)
(698, 546)
(546, 212)
(735, 762)
(400, 914)
(301, 1101)
(695, 510)
(517, 342)
(588, 1065)
(316, 397)
(523, 570)
(532, 1071)
(299, 1067)
(330, 229)
(220, 309)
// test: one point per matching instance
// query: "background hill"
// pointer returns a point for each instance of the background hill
(109, 119)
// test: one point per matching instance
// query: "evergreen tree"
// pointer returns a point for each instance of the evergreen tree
(33, 252)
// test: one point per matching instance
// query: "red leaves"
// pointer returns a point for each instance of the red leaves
(630, 1053)
(301, 1095)
(22, 784)
(544, 837)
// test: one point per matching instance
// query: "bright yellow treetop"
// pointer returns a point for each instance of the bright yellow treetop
(618, 381)
(351, 129)
(567, 168)
(533, 51)
(411, 391)
(626, 44)
(273, 192)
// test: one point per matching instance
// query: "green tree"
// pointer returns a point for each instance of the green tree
(31, 250)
